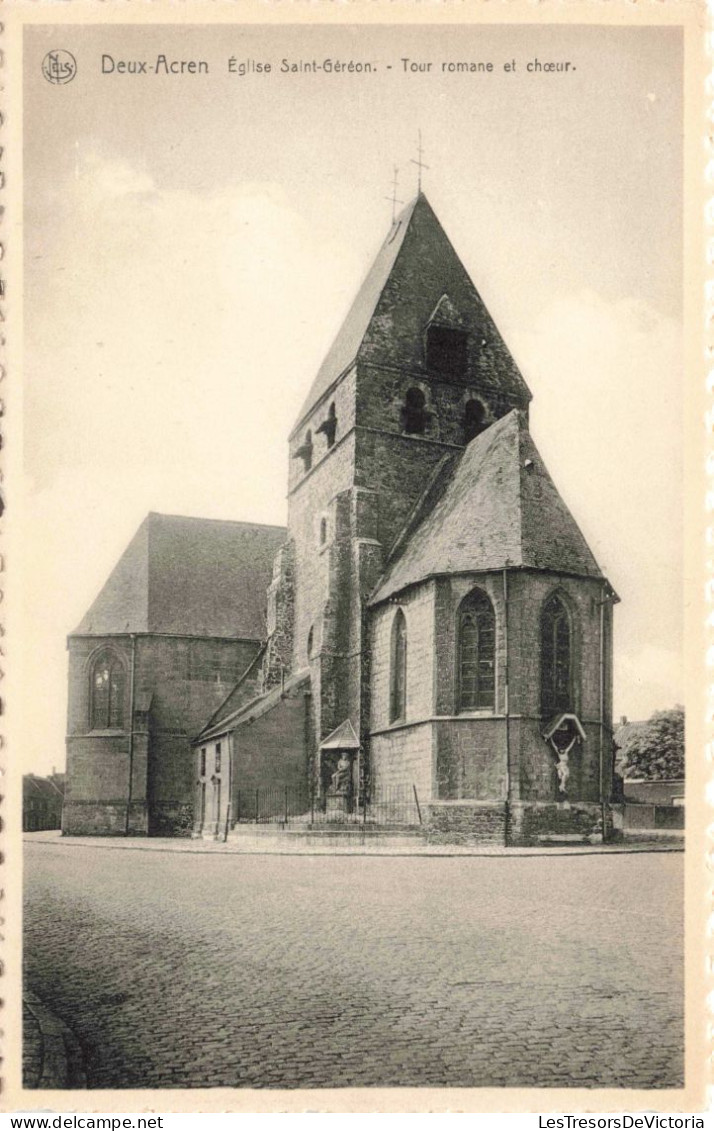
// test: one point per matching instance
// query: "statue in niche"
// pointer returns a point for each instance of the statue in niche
(342, 777)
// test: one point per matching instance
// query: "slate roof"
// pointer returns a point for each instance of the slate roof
(414, 229)
(343, 737)
(191, 576)
(253, 708)
(345, 347)
(489, 507)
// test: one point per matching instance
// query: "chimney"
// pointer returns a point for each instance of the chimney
(623, 720)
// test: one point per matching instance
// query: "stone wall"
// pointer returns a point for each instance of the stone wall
(185, 680)
(466, 822)
(531, 823)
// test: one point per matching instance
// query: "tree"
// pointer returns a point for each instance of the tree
(655, 750)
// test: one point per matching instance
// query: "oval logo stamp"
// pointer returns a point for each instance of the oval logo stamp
(59, 67)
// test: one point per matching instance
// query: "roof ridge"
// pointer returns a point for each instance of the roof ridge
(222, 521)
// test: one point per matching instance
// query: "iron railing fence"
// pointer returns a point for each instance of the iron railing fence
(287, 805)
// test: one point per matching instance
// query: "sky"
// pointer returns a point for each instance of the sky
(193, 242)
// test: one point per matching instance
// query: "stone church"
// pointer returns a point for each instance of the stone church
(429, 637)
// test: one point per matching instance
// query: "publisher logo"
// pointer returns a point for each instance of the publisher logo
(59, 67)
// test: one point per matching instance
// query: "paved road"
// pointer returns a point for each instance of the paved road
(196, 970)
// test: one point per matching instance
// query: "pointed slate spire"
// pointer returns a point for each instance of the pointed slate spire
(415, 276)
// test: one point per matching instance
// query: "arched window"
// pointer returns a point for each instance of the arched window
(446, 350)
(398, 669)
(555, 658)
(310, 642)
(304, 452)
(329, 425)
(323, 531)
(474, 419)
(107, 693)
(477, 653)
(414, 412)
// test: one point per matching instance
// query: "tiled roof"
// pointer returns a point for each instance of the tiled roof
(491, 506)
(192, 576)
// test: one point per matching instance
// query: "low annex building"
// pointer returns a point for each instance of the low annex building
(431, 624)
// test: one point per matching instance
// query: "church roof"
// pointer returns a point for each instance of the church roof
(492, 506)
(189, 576)
(414, 230)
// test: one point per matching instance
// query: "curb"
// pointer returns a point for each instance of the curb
(212, 848)
(60, 1054)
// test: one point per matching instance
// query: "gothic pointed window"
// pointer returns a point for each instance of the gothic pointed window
(414, 414)
(477, 653)
(474, 420)
(398, 669)
(446, 351)
(556, 659)
(107, 693)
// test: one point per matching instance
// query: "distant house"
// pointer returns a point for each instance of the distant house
(42, 802)
(648, 803)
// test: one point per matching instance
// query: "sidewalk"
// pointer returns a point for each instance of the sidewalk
(51, 1054)
(282, 844)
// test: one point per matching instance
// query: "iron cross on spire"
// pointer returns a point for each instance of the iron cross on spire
(393, 197)
(418, 161)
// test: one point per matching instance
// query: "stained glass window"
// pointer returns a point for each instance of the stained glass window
(107, 708)
(398, 688)
(477, 654)
(556, 674)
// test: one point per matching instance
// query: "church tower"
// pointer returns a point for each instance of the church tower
(417, 370)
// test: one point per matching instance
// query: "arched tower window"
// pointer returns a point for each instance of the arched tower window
(446, 350)
(474, 419)
(556, 680)
(329, 425)
(304, 452)
(414, 415)
(107, 693)
(398, 669)
(323, 531)
(310, 642)
(477, 653)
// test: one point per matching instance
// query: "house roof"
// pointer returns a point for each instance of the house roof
(190, 576)
(623, 733)
(489, 507)
(416, 245)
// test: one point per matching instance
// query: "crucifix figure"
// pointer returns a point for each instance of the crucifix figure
(393, 197)
(418, 161)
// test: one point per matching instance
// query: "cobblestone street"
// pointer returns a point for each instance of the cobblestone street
(174, 969)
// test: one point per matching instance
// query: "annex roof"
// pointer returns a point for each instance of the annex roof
(189, 576)
(489, 507)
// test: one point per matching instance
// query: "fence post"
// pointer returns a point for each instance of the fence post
(238, 806)
(416, 798)
(286, 805)
(257, 805)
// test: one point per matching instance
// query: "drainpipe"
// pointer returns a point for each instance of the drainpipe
(229, 799)
(131, 734)
(603, 601)
(506, 706)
